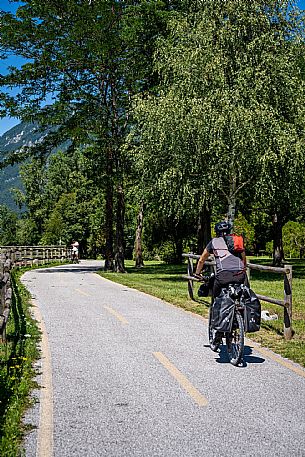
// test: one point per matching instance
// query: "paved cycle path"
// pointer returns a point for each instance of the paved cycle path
(125, 374)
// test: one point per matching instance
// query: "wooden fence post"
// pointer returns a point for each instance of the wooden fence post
(248, 273)
(2, 298)
(288, 333)
(190, 272)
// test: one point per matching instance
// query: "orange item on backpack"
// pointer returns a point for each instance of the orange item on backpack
(235, 243)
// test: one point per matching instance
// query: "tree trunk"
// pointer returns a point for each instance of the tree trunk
(278, 252)
(109, 216)
(232, 201)
(119, 266)
(204, 228)
(138, 241)
(178, 249)
(231, 211)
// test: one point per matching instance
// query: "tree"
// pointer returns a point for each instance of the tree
(8, 224)
(228, 111)
(138, 239)
(33, 196)
(294, 239)
(91, 57)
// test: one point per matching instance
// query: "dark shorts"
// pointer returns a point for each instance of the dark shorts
(224, 278)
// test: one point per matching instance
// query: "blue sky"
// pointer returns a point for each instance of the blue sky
(7, 123)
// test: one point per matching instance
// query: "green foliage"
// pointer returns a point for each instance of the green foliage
(63, 223)
(228, 112)
(92, 59)
(218, 90)
(26, 232)
(294, 239)
(269, 248)
(8, 220)
(166, 253)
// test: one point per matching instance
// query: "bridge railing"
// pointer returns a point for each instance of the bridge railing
(286, 271)
(16, 256)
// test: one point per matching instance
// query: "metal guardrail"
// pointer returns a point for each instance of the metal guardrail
(286, 271)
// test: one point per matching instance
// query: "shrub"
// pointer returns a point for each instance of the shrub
(294, 239)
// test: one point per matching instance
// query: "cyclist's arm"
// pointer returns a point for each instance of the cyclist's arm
(243, 258)
(201, 261)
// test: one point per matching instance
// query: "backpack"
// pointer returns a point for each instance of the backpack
(225, 260)
(235, 243)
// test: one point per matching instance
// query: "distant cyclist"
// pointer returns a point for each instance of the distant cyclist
(230, 265)
(75, 251)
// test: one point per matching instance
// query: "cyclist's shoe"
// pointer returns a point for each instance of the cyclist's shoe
(216, 341)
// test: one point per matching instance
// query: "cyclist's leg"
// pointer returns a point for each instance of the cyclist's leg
(215, 337)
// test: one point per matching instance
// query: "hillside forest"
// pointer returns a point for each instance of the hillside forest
(157, 119)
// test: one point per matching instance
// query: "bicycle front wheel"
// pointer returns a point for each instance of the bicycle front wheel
(236, 340)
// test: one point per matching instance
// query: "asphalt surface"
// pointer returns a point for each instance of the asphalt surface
(134, 376)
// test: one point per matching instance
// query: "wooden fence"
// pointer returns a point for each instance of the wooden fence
(36, 255)
(5, 293)
(286, 271)
(14, 256)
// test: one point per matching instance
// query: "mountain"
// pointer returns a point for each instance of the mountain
(23, 134)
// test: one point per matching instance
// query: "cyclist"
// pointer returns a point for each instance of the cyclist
(75, 248)
(230, 267)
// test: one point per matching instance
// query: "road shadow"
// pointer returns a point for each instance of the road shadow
(70, 268)
(248, 357)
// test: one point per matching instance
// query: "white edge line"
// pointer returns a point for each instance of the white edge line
(44, 446)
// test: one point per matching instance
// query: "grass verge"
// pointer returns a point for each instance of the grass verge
(16, 369)
(166, 282)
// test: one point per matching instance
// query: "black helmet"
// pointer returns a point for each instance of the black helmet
(223, 228)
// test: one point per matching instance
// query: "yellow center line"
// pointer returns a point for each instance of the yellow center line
(116, 314)
(183, 381)
(82, 292)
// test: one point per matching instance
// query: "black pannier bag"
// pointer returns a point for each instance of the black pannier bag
(222, 312)
(204, 290)
(252, 311)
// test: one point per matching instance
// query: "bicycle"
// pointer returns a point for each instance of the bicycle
(74, 257)
(235, 337)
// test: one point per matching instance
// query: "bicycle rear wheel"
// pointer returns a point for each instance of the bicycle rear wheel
(236, 340)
